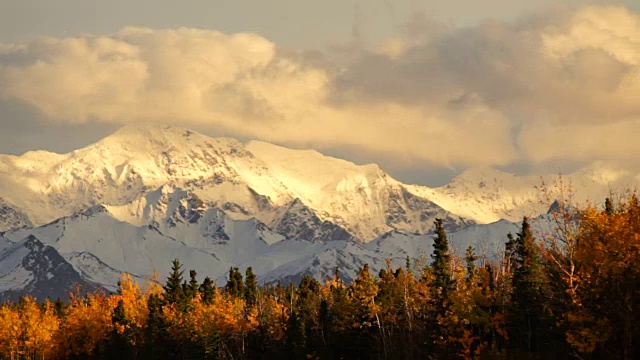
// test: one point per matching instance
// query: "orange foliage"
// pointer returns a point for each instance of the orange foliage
(86, 324)
(27, 331)
(224, 316)
(607, 257)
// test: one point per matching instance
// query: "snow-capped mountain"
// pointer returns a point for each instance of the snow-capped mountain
(256, 180)
(486, 195)
(31, 267)
(145, 195)
(99, 247)
(11, 217)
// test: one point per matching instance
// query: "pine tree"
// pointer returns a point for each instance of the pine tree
(250, 287)
(527, 310)
(441, 259)
(608, 206)
(120, 347)
(235, 284)
(59, 307)
(191, 289)
(207, 290)
(174, 294)
(470, 259)
(157, 342)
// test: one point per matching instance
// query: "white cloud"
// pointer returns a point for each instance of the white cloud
(495, 94)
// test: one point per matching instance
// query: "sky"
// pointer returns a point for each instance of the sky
(426, 89)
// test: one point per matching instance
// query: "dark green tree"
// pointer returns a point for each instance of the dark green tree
(235, 284)
(173, 291)
(527, 318)
(608, 206)
(157, 341)
(441, 259)
(190, 289)
(250, 287)
(207, 290)
(120, 346)
(470, 260)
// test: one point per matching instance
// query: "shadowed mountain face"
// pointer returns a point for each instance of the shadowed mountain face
(30, 267)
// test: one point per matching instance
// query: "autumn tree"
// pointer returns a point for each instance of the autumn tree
(604, 324)
(85, 329)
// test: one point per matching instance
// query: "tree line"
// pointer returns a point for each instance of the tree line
(572, 293)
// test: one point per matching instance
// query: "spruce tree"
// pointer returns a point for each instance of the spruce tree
(470, 260)
(174, 293)
(527, 310)
(441, 259)
(191, 289)
(440, 286)
(207, 290)
(118, 317)
(250, 287)
(157, 341)
(120, 347)
(608, 206)
(235, 284)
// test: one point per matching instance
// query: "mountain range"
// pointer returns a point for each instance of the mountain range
(147, 194)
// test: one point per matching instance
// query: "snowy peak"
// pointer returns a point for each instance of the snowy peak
(313, 176)
(165, 206)
(11, 217)
(31, 267)
(131, 171)
(363, 200)
(298, 221)
(125, 170)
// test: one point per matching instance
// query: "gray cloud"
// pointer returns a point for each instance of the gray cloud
(516, 94)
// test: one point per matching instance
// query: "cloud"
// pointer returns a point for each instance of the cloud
(498, 93)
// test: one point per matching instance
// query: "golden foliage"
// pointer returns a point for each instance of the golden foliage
(607, 256)
(27, 331)
(86, 324)
(225, 316)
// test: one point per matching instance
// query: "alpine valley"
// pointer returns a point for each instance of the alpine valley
(147, 194)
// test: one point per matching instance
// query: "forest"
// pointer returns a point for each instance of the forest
(571, 293)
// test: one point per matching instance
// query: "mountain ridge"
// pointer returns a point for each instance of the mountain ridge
(145, 195)
(136, 160)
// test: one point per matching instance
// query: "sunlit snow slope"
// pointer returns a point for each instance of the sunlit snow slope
(147, 194)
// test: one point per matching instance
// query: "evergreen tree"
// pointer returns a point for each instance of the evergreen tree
(173, 291)
(295, 337)
(608, 206)
(470, 259)
(59, 307)
(207, 290)
(441, 259)
(250, 287)
(120, 346)
(157, 342)
(527, 310)
(235, 284)
(191, 289)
